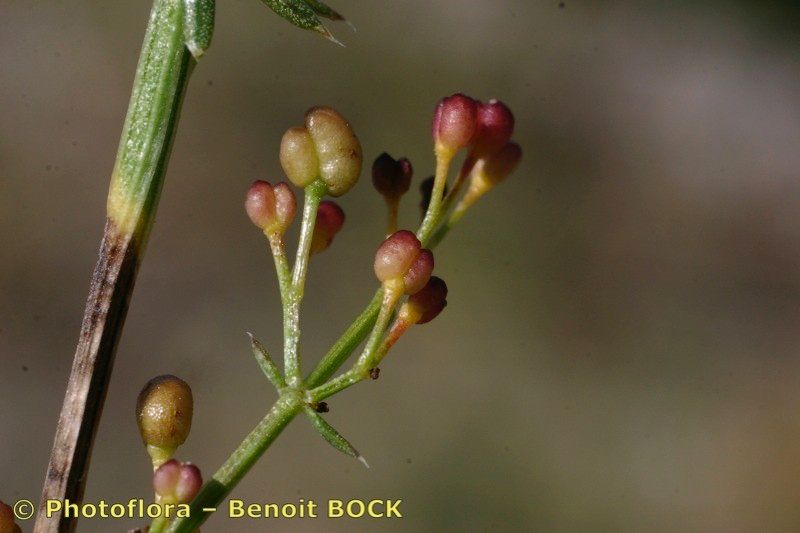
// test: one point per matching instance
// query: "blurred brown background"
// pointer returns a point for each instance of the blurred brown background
(620, 352)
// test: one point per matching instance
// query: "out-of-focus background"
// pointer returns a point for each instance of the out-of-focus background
(620, 352)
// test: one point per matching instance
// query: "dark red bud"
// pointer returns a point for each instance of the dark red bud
(495, 127)
(330, 219)
(391, 178)
(455, 122)
(426, 305)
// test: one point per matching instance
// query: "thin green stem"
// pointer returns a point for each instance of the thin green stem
(390, 298)
(433, 213)
(338, 384)
(466, 202)
(281, 265)
(366, 360)
(347, 343)
(239, 463)
(291, 308)
(158, 525)
(458, 183)
(393, 208)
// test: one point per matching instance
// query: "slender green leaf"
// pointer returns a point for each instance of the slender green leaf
(301, 15)
(333, 437)
(295, 11)
(324, 10)
(198, 25)
(266, 363)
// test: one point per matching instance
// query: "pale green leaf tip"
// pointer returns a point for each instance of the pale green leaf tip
(363, 461)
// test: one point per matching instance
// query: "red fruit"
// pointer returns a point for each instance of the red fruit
(495, 127)
(401, 259)
(330, 219)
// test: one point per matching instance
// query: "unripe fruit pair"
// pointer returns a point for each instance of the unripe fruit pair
(164, 414)
(494, 168)
(426, 304)
(402, 264)
(330, 219)
(326, 148)
(460, 122)
(271, 208)
(175, 482)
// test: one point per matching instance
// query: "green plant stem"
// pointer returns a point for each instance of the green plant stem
(433, 214)
(162, 76)
(291, 314)
(239, 463)
(389, 302)
(466, 168)
(281, 265)
(347, 343)
(158, 525)
(337, 384)
(366, 360)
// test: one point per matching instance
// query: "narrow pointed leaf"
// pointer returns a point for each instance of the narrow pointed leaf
(324, 10)
(266, 363)
(333, 437)
(295, 11)
(198, 25)
(299, 13)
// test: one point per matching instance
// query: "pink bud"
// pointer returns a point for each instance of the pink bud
(499, 165)
(270, 208)
(330, 219)
(391, 178)
(495, 127)
(176, 482)
(455, 122)
(419, 272)
(426, 305)
(260, 204)
(401, 258)
(285, 204)
(189, 483)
